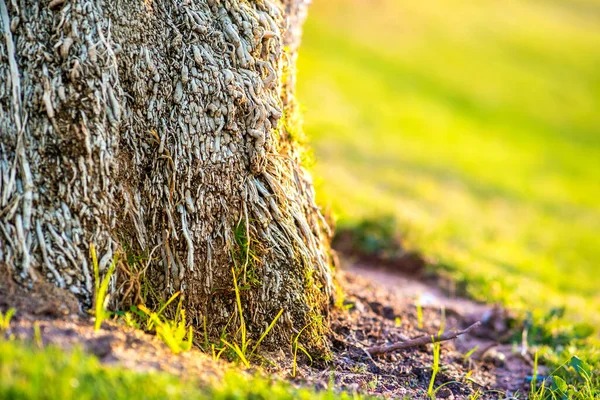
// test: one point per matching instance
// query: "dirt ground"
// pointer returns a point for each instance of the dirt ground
(380, 308)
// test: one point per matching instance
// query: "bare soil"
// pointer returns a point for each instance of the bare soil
(380, 308)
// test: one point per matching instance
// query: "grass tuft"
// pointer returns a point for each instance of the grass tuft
(5, 319)
(240, 342)
(296, 345)
(101, 288)
(435, 368)
(573, 380)
(172, 332)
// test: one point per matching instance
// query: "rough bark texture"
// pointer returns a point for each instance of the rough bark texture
(162, 129)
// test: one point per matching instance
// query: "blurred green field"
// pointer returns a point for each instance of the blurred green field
(477, 124)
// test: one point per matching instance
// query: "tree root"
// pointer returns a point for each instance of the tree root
(420, 341)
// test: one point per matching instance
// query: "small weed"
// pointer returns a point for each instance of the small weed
(469, 353)
(5, 319)
(434, 369)
(297, 346)
(266, 332)
(576, 382)
(100, 297)
(171, 332)
(130, 320)
(373, 383)
(359, 369)
(216, 353)
(468, 375)
(340, 298)
(150, 322)
(241, 349)
(437, 347)
(138, 317)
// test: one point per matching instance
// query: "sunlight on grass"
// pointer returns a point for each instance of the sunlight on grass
(477, 125)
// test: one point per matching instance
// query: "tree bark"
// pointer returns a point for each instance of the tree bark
(163, 130)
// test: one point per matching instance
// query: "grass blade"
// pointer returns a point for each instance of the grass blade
(266, 332)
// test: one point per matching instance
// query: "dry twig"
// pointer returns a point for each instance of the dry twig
(420, 341)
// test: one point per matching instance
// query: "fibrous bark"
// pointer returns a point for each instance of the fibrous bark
(162, 129)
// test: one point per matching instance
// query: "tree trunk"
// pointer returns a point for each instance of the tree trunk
(163, 130)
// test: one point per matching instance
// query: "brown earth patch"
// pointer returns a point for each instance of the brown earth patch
(382, 310)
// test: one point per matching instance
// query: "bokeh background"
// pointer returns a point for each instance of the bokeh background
(476, 126)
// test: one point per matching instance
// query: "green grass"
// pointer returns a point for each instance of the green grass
(240, 344)
(101, 288)
(475, 124)
(51, 373)
(173, 332)
(5, 319)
